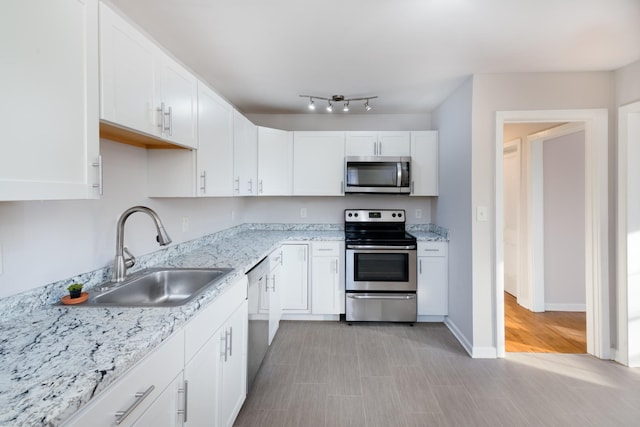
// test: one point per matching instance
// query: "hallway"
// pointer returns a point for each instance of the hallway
(546, 332)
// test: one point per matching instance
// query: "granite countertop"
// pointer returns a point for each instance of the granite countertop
(39, 339)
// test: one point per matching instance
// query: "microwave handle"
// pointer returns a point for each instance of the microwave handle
(399, 174)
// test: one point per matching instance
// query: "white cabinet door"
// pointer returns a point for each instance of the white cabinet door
(433, 282)
(394, 143)
(274, 281)
(127, 82)
(424, 163)
(294, 285)
(215, 144)
(318, 163)
(167, 409)
(361, 144)
(274, 162)
(233, 366)
(177, 96)
(327, 288)
(388, 143)
(202, 378)
(245, 156)
(49, 92)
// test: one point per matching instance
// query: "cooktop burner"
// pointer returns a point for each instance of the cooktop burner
(377, 227)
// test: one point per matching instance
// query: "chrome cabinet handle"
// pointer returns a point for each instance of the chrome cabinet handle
(393, 297)
(273, 283)
(170, 127)
(140, 396)
(420, 265)
(237, 186)
(203, 186)
(341, 186)
(230, 340)
(250, 182)
(412, 186)
(184, 390)
(380, 148)
(260, 187)
(224, 338)
(161, 121)
(375, 148)
(336, 265)
(98, 185)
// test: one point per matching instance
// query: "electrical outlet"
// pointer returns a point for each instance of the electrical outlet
(185, 224)
(418, 213)
(303, 212)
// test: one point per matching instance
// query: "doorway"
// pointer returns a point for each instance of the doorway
(596, 221)
(544, 261)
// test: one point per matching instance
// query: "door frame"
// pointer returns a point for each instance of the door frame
(628, 265)
(509, 147)
(596, 220)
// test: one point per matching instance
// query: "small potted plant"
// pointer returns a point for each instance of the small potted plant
(75, 290)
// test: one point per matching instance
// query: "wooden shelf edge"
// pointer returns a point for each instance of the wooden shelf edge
(129, 137)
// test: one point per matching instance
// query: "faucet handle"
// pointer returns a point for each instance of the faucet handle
(130, 261)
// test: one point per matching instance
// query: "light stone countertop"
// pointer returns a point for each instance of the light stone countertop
(55, 358)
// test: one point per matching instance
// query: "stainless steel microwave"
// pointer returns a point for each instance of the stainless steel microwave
(377, 174)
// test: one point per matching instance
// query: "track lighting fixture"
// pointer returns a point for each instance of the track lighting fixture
(338, 98)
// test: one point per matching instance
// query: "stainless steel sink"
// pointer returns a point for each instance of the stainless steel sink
(160, 287)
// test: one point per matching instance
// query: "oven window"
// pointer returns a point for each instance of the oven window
(381, 267)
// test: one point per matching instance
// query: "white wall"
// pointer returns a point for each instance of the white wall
(331, 209)
(514, 92)
(564, 222)
(627, 84)
(47, 241)
(452, 209)
(344, 122)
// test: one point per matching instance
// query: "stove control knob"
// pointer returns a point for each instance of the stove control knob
(393, 214)
(356, 214)
(350, 214)
(399, 214)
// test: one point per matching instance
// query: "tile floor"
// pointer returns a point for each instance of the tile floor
(331, 374)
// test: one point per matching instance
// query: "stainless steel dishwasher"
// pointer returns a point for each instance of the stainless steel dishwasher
(258, 336)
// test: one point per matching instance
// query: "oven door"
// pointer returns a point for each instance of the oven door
(388, 270)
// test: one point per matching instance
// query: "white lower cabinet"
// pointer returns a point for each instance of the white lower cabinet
(294, 285)
(433, 279)
(196, 378)
(327, 285)
(274, 280)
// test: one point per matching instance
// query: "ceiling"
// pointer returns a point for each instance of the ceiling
(261, 55)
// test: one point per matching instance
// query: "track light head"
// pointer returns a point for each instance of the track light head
(346, 107)
(312, 105)
(367, 106)
(329, 107)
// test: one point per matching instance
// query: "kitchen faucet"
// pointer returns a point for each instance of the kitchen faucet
(120, 263)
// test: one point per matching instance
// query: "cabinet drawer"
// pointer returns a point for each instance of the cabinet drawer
(157, 369)
(326, 249)
(433, 248)
(204, 324)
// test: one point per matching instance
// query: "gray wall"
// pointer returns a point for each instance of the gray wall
(340, 121)
(452, 209)
(564, 222)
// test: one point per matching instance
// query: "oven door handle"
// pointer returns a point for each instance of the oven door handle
(408, 247)
(400, 297)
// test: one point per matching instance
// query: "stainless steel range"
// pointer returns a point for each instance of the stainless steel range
(381, 275)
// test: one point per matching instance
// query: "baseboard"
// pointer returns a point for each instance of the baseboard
(565, 307)
(426, 319)
(459, 335)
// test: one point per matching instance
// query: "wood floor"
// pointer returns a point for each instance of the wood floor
(548, 332)
(329, 374)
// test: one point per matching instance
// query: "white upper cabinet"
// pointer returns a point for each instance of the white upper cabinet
(49, 110)
(392, 143)
(215, 144)
(274, 162)
(142, 88)
(318, 163)
(205, 172)
(424, 163)
(245, 156)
